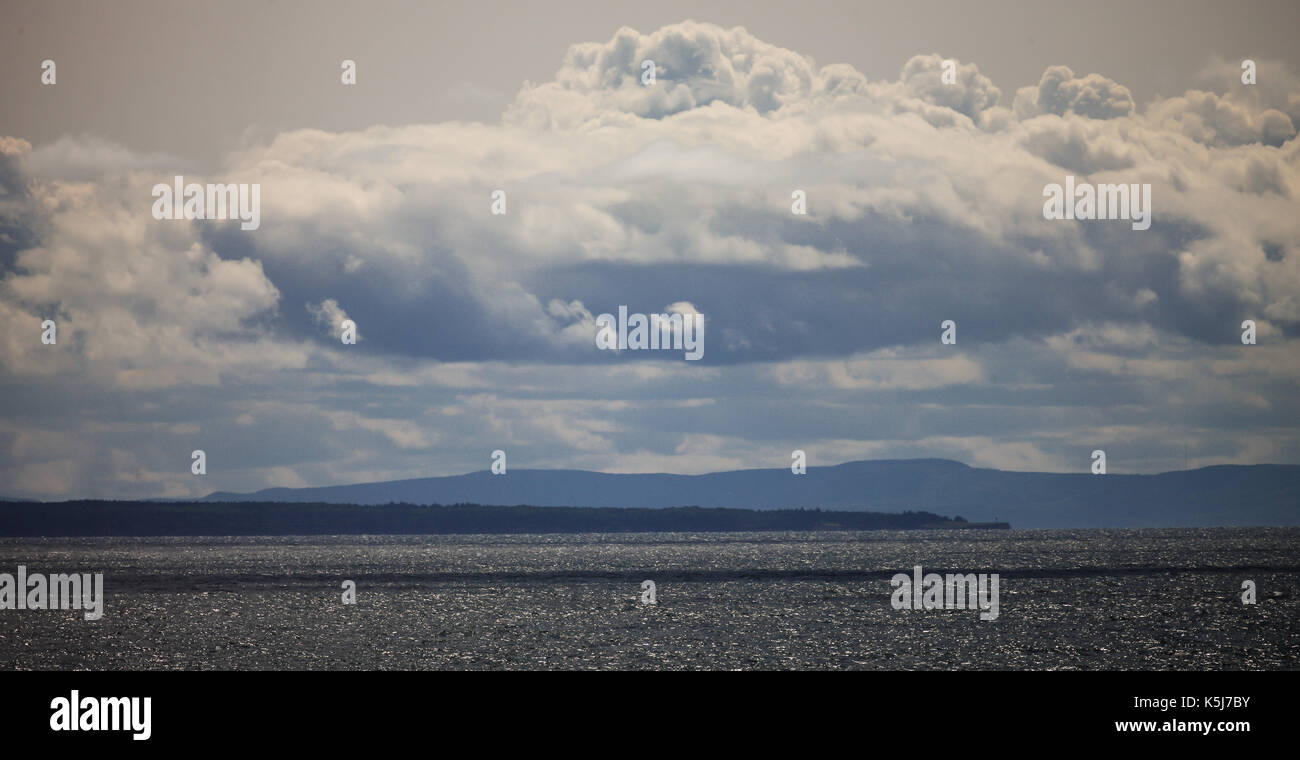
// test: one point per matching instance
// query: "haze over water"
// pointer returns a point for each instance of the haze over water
(1148, 599)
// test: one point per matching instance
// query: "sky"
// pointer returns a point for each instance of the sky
(477, 330)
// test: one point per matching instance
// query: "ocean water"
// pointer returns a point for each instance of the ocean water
(1124, 599)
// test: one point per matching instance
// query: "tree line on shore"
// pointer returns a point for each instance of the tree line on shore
(147, 518)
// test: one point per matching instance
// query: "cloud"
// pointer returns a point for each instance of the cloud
(139, 303)
(924, 204)
(330, 316)
(971, 94)
(884, 369)
(1060, 91)
(696, 65)
(89, 158)
(1218, 121)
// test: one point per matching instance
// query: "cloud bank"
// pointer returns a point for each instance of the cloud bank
(924, 203)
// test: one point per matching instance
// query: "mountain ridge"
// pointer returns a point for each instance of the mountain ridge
(1262, 494)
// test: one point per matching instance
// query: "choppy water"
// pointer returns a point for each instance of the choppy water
(1150, 599)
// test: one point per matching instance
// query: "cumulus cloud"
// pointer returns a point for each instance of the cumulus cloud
(1060, 91)
(923, 204)
(90, 157)
(330, 317)
(139, 303)
(696, 65)
(1211, 119)
(971, 94)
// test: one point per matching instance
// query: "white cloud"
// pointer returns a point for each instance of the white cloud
(924, 201)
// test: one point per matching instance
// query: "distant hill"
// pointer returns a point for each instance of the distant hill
(141, 518)
(1209, 496)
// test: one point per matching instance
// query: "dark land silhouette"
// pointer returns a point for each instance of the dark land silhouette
(132, 518)
(1224, 495)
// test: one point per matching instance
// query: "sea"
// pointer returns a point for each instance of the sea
(1068, 599)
